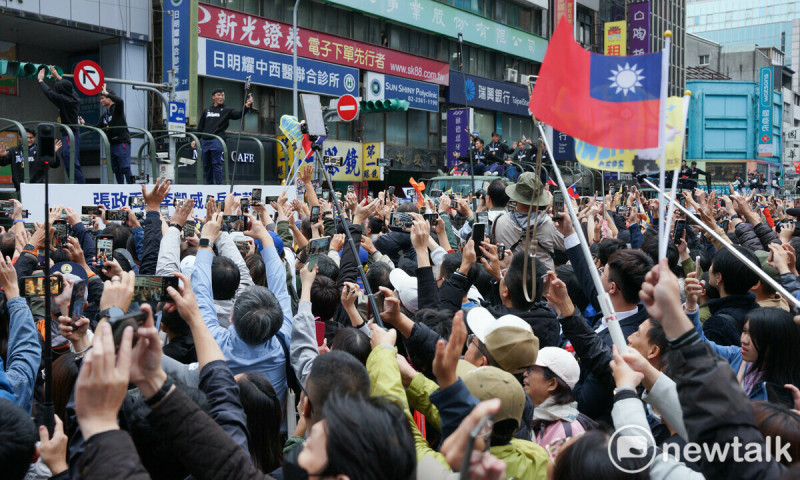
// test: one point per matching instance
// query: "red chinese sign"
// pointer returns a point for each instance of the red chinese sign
(243, 29)
(565, 8)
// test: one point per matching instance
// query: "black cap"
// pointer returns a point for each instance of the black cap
(793, 212)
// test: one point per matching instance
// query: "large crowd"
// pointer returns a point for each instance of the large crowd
(251, 349)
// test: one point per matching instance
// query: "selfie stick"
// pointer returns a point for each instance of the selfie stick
(724, 241)
(376, 314)
(48, 409)
(239, 135)
(602, 296)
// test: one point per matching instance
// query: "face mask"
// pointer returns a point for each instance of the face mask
(291, 469)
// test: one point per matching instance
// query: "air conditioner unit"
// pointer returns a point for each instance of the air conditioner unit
(511, 75)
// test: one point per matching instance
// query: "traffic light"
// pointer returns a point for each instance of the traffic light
(380, 106)
(13, 68)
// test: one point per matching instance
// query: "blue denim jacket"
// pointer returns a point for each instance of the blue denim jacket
(24, 352)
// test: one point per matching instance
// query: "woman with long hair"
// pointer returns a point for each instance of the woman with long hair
(263, 409)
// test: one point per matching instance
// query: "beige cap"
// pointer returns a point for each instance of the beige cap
(490, 382)
(509, 339)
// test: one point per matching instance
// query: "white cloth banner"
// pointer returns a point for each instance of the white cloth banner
(114, 197)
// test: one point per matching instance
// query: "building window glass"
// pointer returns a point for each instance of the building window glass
(374, 127)
(396, 131)
(703, 59)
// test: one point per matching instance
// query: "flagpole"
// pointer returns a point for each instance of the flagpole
(663, 238)
(602, 296)
(687, 96)
(732, 248)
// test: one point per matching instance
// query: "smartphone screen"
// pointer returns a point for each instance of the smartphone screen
(236, 223)
(6, 207)
(34, 286)
(401, 220)
(478, 235)
(136, 201)
(680, 227)
(151, 288)
(243, 246)
(90, 210)
(314, 214)
(319, 246)
(482, 217)
(326, 195)
(256, 196)
(432, 218)
(104, 245)
(189, 228)
(78, 300)
(62, 232)
(117, 215)
(245, 203)
(164, 210)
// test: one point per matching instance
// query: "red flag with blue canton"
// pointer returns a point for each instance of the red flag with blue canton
(611, 102)
(572, 192)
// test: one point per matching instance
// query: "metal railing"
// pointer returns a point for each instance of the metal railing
(198, 164)
(71, 139)
(152, 146)
(24, 135)
(106, 143)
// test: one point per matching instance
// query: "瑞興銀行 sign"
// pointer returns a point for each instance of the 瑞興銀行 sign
(489, 94)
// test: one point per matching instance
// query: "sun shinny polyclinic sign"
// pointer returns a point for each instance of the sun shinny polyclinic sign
(252, 31)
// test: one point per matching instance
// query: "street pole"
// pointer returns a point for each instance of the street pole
(294, 58)
(466, 107)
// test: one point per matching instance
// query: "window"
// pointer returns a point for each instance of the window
(704, 60)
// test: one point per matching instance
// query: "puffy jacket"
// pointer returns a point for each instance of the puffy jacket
(756, 237)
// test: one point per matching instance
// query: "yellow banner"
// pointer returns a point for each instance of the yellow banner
(352, 168)
(372, 152)
(615, 160)
(615, 39)
(283, 155)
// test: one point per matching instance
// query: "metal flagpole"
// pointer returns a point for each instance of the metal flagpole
(686, 98)
(724, 241)
(663, 236)
(602, 296)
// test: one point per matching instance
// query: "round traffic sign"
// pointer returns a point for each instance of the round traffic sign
(347, 108)
(88, 77)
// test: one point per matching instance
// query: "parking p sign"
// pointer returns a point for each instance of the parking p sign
(176, 121)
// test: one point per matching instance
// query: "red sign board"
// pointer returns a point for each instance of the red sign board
(565, 8)
(243, 29)
(347, 108)
(88, 77)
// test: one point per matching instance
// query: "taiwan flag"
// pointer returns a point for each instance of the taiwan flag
(610, 102)
(573, 192)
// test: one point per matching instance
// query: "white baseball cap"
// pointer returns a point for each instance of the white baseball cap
(561, 362)
(482, 322)
(406, 287)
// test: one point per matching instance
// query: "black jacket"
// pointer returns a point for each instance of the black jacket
(395, 244)
(114, 116)
(715, 409)
(152, 243)
(725, 324)
(497, 151)
(64, 96)
(181, 349)
(15, 158)
(541, 319)
(215, 119)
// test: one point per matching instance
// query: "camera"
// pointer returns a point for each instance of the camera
(332, 161)
(141, 179)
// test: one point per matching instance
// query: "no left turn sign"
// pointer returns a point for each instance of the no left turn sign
(88, 77)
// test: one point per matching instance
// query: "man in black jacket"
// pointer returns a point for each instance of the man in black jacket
(64, 96)
(119, 138)
(215, 119)
(733, 279)
(496, 154)
(15, 158)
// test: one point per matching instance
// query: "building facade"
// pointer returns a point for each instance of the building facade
(116, 35)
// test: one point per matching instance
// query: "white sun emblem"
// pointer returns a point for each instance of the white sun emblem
(626, 78)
